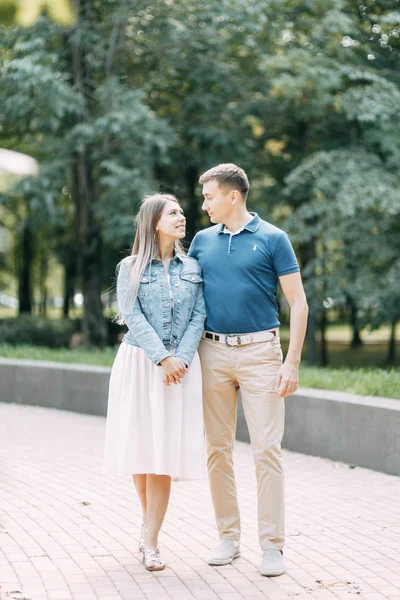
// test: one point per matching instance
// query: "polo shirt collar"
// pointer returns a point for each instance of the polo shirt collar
(251, 226)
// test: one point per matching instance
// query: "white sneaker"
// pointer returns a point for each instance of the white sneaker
(224, 553)
(272, 563)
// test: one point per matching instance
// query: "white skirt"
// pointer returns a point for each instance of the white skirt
(152, 428)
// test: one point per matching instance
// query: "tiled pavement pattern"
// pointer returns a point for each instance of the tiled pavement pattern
(68, 532)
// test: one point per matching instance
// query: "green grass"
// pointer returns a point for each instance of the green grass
(104, 357)
(371, 381)
(367, 382)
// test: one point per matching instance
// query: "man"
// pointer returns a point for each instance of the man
(243, 258)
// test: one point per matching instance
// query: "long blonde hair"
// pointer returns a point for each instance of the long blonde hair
(145, 246)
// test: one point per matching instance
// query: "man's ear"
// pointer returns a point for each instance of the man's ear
(234, 197)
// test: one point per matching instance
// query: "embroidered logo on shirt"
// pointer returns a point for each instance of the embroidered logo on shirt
(254, 247)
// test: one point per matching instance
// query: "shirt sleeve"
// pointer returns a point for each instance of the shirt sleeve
(284, 258)
(144, 334)
(192, 336)
(192, 250)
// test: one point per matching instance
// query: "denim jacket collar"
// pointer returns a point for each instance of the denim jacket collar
(177, 256)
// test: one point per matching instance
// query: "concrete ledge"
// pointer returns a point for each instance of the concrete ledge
(80, 388)
(360, 430)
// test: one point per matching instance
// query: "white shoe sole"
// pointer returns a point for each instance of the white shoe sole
(219, 562)
(272, 573)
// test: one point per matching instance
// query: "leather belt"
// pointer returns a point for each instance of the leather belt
(241, 339)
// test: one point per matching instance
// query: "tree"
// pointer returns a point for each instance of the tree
(195, 60)
(326, 96)
(62, 87)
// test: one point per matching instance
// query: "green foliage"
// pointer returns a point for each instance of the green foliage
(37, 331)
(139, 140)
(138, 97)
(334, 91)
(97, 141)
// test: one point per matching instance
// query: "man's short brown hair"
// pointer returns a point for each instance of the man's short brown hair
(229, 176)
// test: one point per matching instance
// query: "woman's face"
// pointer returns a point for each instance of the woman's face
(172, 223)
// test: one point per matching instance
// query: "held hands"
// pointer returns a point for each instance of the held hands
(174, 370)
(287, 379)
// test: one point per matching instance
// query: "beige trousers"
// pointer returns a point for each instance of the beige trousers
(253, 369)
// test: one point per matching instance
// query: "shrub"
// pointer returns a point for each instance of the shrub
(37, 331)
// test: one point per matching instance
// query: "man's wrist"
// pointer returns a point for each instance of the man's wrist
(292, 360)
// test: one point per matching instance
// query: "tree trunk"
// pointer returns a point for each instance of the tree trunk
(93, 325)
(324, 346)
(391, 357)
(43, 302)
(309, 252)
(89, 236)
(312, 326)
(43, 287)
(25, 275)
(311, 337)
(84, 192)
(356, 341)
(67, 297)
(69, 286)
(323, 314)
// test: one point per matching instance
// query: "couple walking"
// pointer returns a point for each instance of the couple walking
(201, 327)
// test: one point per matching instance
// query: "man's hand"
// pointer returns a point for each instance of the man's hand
(288, 375)
(174, 370)
(287, 379)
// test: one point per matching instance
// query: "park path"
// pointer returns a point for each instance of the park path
(68, 532)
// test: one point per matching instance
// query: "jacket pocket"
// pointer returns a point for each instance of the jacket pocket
(147, 286)
(191, 281)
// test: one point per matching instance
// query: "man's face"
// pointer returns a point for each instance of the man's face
(217, 202)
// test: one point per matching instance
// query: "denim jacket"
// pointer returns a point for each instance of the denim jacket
(152, 325)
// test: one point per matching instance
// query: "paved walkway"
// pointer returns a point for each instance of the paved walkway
(67, 532)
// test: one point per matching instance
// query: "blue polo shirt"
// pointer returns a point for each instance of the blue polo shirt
(241, 274)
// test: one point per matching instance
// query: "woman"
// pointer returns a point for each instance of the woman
(155, 419)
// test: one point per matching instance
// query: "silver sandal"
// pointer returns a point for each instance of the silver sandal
(141, 541)
(152, 561)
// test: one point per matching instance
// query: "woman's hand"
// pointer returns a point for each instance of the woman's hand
(174, 370)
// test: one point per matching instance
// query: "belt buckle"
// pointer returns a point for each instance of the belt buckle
(238, 340)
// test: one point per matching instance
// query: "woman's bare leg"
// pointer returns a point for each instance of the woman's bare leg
(158, 490)
(140, 484)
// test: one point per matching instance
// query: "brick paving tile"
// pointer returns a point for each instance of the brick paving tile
(67, 532)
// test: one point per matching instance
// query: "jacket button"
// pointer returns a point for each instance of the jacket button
(193, 278)
(176, 284)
